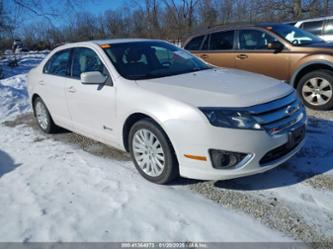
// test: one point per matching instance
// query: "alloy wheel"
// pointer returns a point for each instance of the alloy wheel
(317, 91)
(42, 115)
(148, 152)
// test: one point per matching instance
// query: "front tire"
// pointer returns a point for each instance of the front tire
(152, 152)
(43, 117)
(316, 89)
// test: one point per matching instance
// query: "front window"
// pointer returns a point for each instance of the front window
(86, 60)
(147, 60)
(295, 35)
(254, 40)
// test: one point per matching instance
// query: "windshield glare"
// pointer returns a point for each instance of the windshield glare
(295, 36)
(152, 59)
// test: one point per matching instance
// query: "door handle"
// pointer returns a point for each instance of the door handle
(42, 83)
(242, 56)
(204, 56)
(72, 89)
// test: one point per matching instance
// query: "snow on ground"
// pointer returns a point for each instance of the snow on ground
(52, 191)
(13, 94)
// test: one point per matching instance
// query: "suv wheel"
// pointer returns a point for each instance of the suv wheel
(316, 89)
(43, 116)
(152, 152)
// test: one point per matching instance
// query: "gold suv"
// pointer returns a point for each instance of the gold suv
(276, 50)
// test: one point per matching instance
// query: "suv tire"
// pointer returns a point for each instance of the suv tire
(316, 89)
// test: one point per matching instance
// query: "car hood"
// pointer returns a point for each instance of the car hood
(219, 88)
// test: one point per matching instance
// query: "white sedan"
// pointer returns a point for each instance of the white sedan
(175, 114)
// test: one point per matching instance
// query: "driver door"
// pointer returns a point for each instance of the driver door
(91, 106)
(255, 56)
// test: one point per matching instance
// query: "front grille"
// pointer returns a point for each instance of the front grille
(295, 138)
(279, 115)
(276, 154)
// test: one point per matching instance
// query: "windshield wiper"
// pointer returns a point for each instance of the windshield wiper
(200, 69)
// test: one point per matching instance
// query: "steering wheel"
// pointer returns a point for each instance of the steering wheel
(295, 42)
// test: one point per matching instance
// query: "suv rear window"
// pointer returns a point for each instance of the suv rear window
(222, 40)
(313, 27)
(195, 43)
(329, 27)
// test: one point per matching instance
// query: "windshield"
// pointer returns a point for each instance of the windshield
(295, 36)
(151, 59)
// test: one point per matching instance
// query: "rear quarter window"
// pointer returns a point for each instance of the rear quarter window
(195, 43)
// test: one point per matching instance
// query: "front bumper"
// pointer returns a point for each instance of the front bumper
(253, 142)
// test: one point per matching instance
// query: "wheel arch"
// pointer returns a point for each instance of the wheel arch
(135, 117)
(33, 98)
(309, 67)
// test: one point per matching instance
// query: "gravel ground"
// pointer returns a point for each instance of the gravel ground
(248, 195)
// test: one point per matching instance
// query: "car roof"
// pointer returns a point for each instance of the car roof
(316, 19)
(217, 28)
(231, 27)
(101, 42)
(112, 41)
(124, 40)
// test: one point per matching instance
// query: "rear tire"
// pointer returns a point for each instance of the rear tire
(152, 152)
(316, 89)
(43, 117)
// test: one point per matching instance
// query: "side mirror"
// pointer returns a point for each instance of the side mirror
(94, 77)
(276, 46)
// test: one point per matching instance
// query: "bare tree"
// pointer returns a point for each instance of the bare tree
(166, 19)
(208, 12)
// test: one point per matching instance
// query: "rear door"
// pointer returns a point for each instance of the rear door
(91, 106)
(51, 86)
(255, 56)
(219, 49)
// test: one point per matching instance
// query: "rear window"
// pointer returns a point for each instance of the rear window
(195, 43)
(329, 27)
(313, 27)
(58, 63)
(222, 40)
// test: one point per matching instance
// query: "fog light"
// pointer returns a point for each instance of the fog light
(225, 159)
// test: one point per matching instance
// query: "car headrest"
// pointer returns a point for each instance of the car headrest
(134, 55)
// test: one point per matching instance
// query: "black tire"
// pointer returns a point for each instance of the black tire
(322, 74)
(170, 170)
(50, 127)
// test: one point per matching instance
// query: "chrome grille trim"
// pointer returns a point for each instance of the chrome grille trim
(276, 104)
(279, 115)
(275, 115)
(285, 123)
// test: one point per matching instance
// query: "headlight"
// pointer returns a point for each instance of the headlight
(230, 118)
